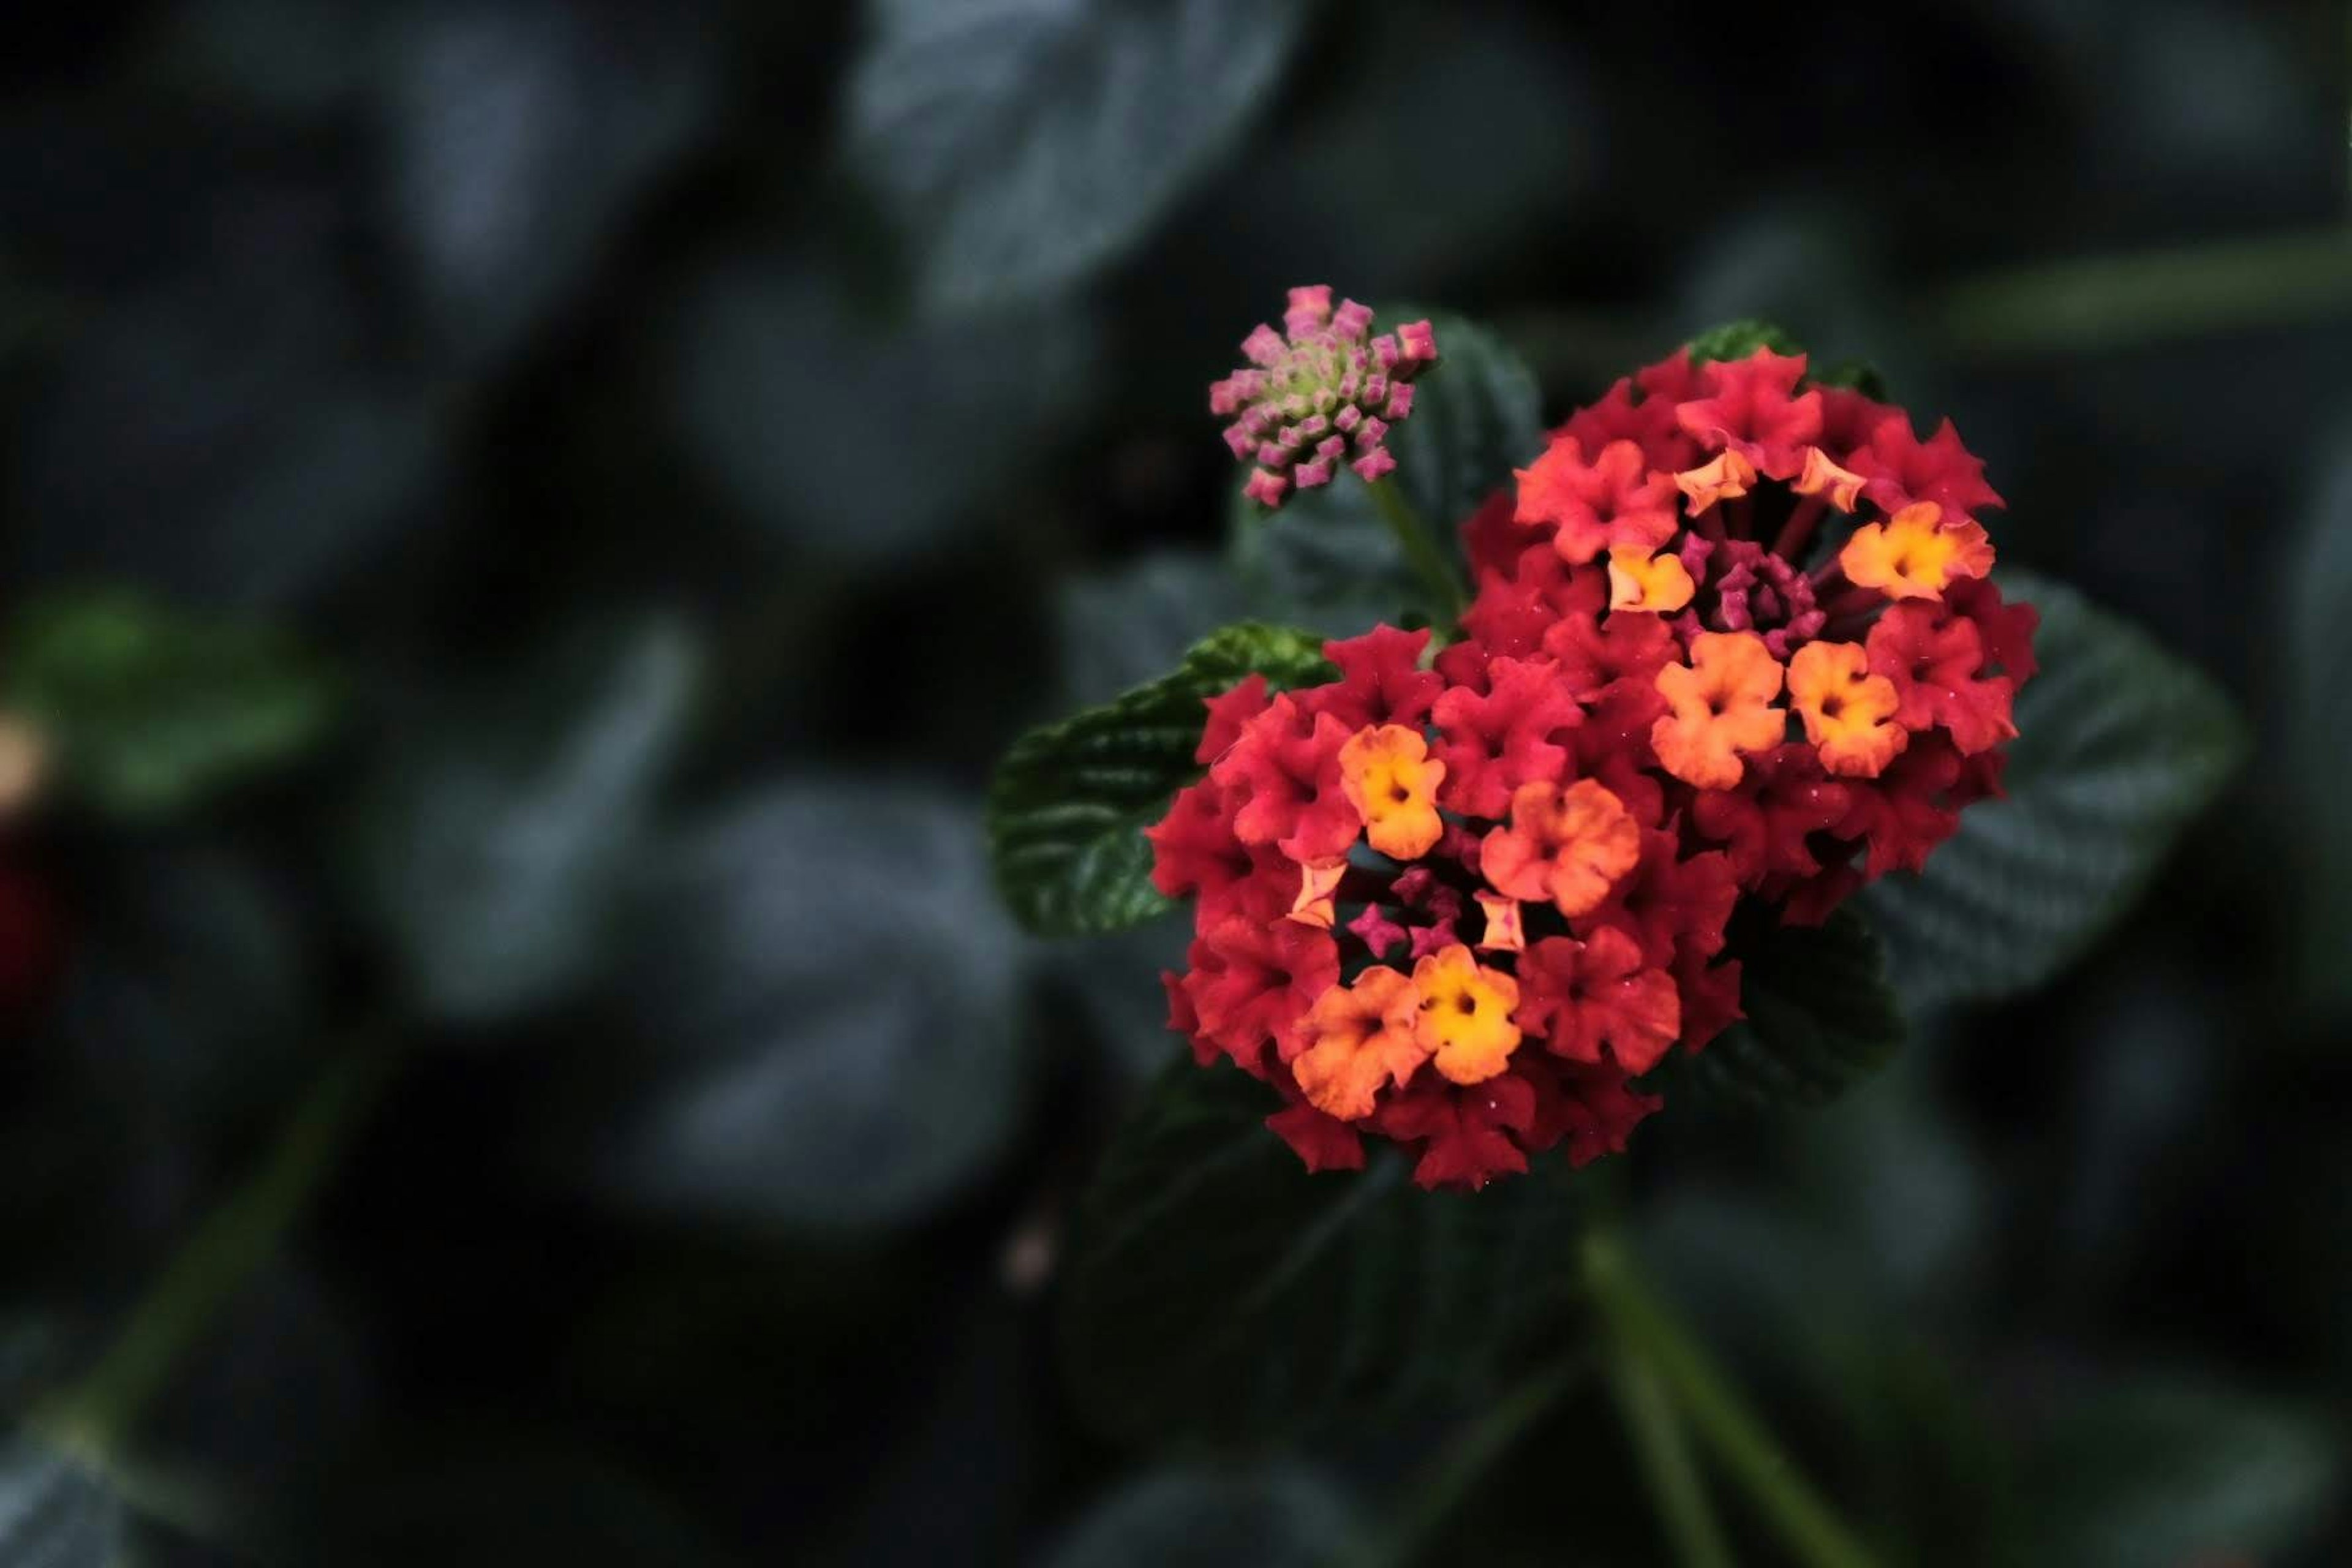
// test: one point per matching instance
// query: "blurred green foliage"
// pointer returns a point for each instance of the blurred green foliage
(582, 493)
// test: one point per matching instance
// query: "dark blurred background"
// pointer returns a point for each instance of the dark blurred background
(702, 436)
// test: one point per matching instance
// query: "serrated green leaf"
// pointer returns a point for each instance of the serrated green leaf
(1218, 1291)
(1021, 143)
(152, 710)
(1327, 560)
(1821, 1014)
(2120, 746)
(1067, 810)
(1737, 340)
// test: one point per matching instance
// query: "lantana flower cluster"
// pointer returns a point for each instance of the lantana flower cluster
(1733, 640)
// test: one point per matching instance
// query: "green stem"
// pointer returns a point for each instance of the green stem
(2111, 302)
(1646, 1331)
(1468, 1456)
(1430, 563)
(94, 1418)
(1663, 1449)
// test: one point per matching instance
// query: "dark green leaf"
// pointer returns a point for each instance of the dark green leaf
(1384, 172)
(153, 709)
(195, 975)
(2314, 649)
(232, 435)
(514, 137)
(771, 343)
(1216, 1290)
(1066, 813)
(775, 1087)
(1023, 142)
(1200, 1519)
(2120, 745)
(1123, 628)
(1327, 560)
(1820, 1014)
(2168, 1471)
(1114, 983)
(1860, 374)
(53, 1513)
(1737, 340)
(495, 844)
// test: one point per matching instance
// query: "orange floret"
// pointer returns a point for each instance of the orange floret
(1722, 703)
(1503, 931)
(1912, 556)
(1391, 780)
(1568, 846)
(1822, 476)
(1465, 1022)
(1640, 581)
(1360, 1037)
(1726, 476)
(1849, 712)
(1318, 881)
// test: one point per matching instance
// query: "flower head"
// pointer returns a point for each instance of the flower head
(1321, 393)
(1734, 643)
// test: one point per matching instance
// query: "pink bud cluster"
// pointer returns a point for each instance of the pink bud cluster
(1321, 391)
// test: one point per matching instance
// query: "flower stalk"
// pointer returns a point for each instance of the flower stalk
(1646, 1334)
(1662, 1447)
(95, 1418)
(1447, 596)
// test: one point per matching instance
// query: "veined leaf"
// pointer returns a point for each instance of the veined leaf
(1066, 815)
(2120, 745)
(1219, 1291)
(1821, 1014)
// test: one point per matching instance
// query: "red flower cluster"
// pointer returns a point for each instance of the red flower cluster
(1733, 639)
